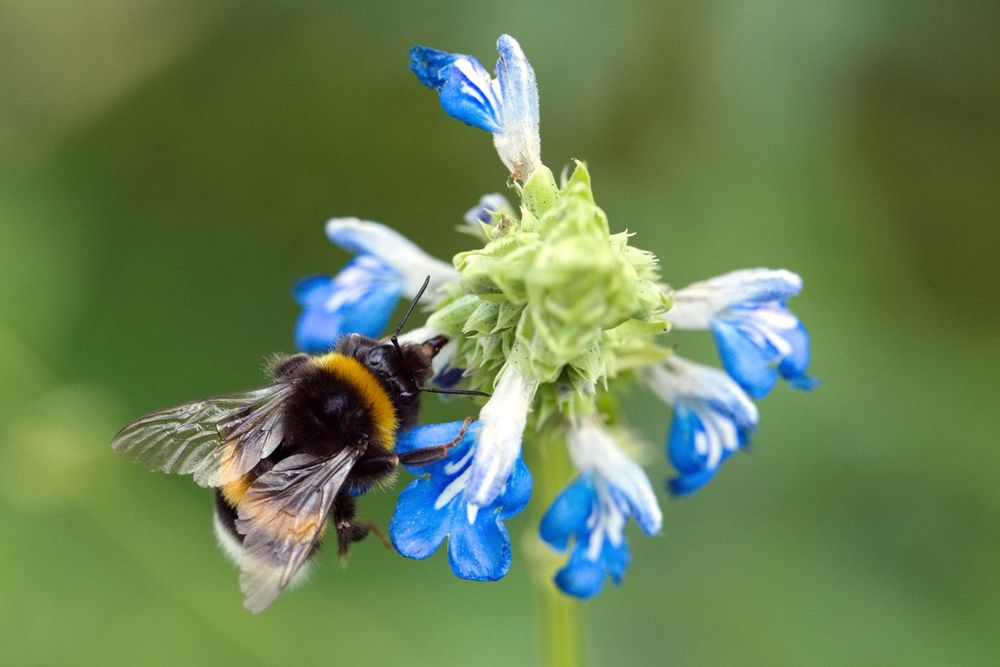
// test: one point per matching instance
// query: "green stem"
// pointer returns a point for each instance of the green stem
(559, 614)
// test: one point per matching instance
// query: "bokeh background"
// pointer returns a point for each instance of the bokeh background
(165, 172)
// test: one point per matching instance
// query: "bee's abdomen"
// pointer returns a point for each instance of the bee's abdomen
(230, 541)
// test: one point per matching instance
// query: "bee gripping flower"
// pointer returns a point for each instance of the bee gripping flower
(552, 312)
(506, 106)
(361, 298)
(433, 508)
(713, 418)
(757, 336)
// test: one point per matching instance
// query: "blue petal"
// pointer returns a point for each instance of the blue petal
(793, 367)
(691, 464)
(470, 99)
(688, 483)
(745, 361)
(416, 528)
(316, 331)
(516, 494)
(360, 299)
(567, 513)
(480, 551)
(464, 86)
(427, 64)
(581, 577)
(429, 435)
(616, 559)
(313, 291)
(684, 427)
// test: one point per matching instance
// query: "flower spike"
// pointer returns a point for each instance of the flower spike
(713, 418)
(506, 106)
(757, 336)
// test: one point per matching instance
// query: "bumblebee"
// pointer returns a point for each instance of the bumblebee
(286, 458)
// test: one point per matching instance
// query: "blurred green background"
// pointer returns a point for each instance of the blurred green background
(165, 172)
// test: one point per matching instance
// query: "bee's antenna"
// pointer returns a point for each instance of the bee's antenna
(409, 310)
(457, 392)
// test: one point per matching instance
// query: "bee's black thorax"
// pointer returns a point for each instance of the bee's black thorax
(360, 401)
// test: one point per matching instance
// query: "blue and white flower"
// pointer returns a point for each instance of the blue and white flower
(757, 336)
(713, 418)
(593, 511)
(433, 508)
(498, 445)
(506, 106)
(361, 298)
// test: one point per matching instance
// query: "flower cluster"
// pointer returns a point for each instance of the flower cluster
(553, 314)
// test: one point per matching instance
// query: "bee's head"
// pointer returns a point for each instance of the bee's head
(402, 368)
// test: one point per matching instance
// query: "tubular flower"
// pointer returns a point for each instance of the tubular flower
(553, 314)
(506, 106)
(757, 336)
(713, 418)
(361, 298)
(594, 508)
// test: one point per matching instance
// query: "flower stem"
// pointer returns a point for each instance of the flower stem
(559, 614)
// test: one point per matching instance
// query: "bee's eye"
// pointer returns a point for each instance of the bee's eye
(376, 356)
(408, 397)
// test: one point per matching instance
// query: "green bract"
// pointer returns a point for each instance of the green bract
(556, 295)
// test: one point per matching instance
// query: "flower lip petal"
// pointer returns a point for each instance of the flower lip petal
(417, 528)
(479, 551)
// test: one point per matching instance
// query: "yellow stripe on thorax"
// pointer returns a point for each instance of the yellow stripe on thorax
(374, 396)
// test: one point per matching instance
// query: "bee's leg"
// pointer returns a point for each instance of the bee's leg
(425, 455)
(350, 531)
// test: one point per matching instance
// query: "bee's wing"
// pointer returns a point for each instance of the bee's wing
(281, 516)
(216, 440)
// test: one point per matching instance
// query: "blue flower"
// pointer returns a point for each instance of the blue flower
(361, 298)
(594, 508)
(594, 514)
(713, 418)
(506, 106)
(435, 507)
(757, 336)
